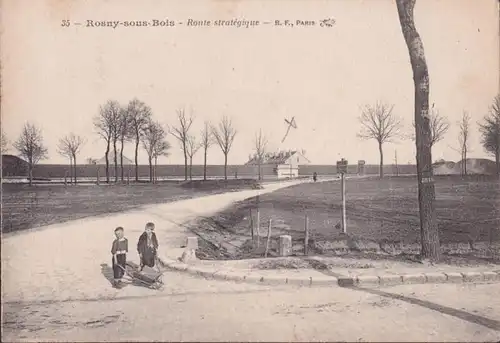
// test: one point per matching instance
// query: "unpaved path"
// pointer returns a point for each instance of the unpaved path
(72, 260)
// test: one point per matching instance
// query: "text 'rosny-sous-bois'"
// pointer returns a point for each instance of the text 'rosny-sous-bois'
(166, 23)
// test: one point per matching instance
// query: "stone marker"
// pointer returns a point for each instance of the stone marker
(285, 246)
(192, 243)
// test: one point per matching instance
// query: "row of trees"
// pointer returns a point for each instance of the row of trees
(378, 122)
(133, 123)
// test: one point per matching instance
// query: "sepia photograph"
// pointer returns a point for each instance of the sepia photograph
(250, 170)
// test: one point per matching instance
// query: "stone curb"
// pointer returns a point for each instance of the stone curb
(343, 281)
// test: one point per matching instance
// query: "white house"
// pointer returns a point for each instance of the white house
(283, 163)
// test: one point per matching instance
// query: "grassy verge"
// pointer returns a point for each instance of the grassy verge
(382, 220)
(25, 207)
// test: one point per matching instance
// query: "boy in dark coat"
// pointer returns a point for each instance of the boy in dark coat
(148, 246)
(119, 251)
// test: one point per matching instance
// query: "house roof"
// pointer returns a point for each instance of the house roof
(280, 157)
(111, 158)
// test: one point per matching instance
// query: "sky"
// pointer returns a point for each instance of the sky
(57, 77)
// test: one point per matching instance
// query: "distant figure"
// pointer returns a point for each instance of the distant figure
(315, 176)
(148, 246)
(119, 251)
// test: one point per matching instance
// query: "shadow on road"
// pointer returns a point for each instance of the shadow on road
(107, 272)
(472, 318)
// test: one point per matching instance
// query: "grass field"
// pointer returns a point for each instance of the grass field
(382, 211)
(25, 207)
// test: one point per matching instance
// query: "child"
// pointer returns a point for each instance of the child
(148, 246)
(119, 251)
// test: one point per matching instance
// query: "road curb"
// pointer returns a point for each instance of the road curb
(341, 281)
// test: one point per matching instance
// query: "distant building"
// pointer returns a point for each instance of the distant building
(111, 159)
(14, 166)
(283, 163)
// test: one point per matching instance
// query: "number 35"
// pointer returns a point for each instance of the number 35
(65, 23)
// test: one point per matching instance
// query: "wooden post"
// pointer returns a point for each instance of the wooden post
(251, 225)
(306, 239)
(268, 238)
(344, 219)
(65, 176)
(98, 176)
(128, 176)
(258, 227)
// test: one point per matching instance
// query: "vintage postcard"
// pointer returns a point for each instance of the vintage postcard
(250, 170)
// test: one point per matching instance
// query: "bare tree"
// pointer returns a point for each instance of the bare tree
(161, 148)
(426, 189)
(439, 126)
(206, 142)
(378, 122)
(224, 135)
(192, 149)
(105, 125)
(181, 133)
(69, 146)
(260, 150)
(139, 117)
(464, 139)
(30, 146)
(153, 137)
(5, 143)
(490, 132)
(123, 135)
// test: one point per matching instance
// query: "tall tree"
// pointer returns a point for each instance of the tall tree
(192, 149)
(139, 117)
(4, 143)
(181, 133)
(206, 142)
(30, 145)
(464, 139)
(378, 122)
(105, 126)
(161, 148)
(123, 135)
(439, 126)
(426, 190)
(490, 132)
(224, 135)
(69, 146)
(153, 136)
(260, 150)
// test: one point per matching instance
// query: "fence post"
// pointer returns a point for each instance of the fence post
(258, 227)
(306, 239)
(268, 238)
(251, 225)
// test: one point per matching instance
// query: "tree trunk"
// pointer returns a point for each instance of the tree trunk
(259, 171)
(155, 169)
(121, 159)
(225, 166)
(30, 172)
(150, 160)
(136, 157)
(205, 165)
(70, 171)
(74, 169)
(381, 152)
(190, 167)
(185, 160)
(107, 161)
(426, 190)
(115, 160)
(465, 161)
